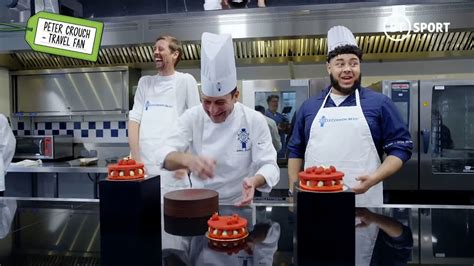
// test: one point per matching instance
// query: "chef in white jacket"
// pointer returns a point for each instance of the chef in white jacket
(7, 149)
(158, 102)
(230, 144)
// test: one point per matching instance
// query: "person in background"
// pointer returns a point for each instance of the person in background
(229, 149)
(349, 127)
(273, 128)
(7, 149)
(158, 102)
(280, 120)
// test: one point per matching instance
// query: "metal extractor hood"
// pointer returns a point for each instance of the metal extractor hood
(268, 36)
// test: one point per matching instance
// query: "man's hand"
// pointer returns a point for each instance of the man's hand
(365, 183)
(366, 217)
(181, 173)
(248, 190)
(202, 166)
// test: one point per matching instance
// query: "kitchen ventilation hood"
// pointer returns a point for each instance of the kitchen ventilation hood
(267, 36)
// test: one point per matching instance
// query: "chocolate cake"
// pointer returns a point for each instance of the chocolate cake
(186, 207)
(320, 178)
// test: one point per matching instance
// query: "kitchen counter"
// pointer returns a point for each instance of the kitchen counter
(68, 232)
(60, 167)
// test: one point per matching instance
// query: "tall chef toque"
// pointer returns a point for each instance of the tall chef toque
(340, 36)
(218, 72)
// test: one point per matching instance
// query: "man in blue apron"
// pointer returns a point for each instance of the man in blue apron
(230, 147)
(349, 126)
(159, 101)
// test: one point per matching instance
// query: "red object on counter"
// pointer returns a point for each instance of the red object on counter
(126, 169)
(318, 178)
(225, 228)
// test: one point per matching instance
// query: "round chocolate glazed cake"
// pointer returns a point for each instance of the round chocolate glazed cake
(187, 211)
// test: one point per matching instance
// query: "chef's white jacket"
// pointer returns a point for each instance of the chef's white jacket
(7, 148)
(241, 145)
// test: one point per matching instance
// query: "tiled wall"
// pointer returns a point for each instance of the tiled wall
(92, 131)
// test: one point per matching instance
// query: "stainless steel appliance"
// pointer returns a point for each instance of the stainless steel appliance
(446, 236)
(440, 117)
(292, 94)
(405, 96)
(447, 135)
(43, 147)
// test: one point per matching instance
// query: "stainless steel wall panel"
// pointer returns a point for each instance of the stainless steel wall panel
(73, 91)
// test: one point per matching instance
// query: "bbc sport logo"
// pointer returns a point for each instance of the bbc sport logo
(398, 27)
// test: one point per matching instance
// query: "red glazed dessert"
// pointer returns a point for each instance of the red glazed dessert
(126, 169)
(227, 228)
(229, 247)
(319, 178)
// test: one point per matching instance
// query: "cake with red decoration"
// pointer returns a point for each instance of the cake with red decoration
(321, 178)
(227, 228)
(126, 169)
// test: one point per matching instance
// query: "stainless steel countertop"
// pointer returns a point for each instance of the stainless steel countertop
(60, 167)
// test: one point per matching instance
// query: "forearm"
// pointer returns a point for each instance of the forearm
(391, 227)
(294, 167)
(258, 180)
(133, 139)
(390, 165)
(176, 160)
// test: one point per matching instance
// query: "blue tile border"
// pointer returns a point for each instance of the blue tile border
(83, 132)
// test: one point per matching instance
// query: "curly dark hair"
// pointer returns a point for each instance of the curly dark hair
(345, 49)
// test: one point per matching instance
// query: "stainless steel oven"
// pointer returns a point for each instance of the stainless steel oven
(440, 118)
(446, 236)
(447, 135)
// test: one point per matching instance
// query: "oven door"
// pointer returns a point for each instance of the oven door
(447, 236)
(33, 147)
(447, 135)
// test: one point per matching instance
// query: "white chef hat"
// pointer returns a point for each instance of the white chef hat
(218, 72)
(340, 36)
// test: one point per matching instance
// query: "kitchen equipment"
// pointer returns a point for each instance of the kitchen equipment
(47, 147)
(440, 117)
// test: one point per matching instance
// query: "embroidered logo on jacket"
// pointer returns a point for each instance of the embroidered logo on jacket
(243, 137)
(148, 104)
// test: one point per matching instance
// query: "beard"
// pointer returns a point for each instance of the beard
(345, 91)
